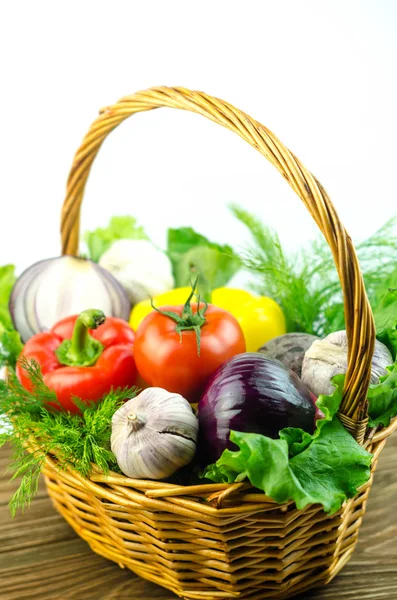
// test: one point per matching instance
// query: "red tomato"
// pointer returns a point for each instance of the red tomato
(170, 360)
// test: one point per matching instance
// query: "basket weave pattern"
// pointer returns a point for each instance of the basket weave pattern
(217, 540)
(238, 544)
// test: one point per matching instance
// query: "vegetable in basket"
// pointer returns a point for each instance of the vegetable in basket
(325, 466)
(59, 287)
(289, 349)
(154, 434)
(124, 249)
(328, 357)
(193, 253)
(82, 356)
(141, 268)
(255, 394)
(101, 239)
(179, 347)
(260, 318)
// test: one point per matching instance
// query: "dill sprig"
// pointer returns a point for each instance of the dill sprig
(77, 441)
(306, 284)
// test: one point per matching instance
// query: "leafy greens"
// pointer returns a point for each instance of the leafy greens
(192, 253)
(10, 341)
(7, 280)
(386, 321)
(306, 285)
(325, 468)
(76, 440)
(382, 399)
(119, 228)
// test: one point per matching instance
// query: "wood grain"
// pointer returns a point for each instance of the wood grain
(41, 558)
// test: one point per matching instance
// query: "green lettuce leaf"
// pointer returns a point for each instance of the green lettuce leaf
(386, 321)
(183, 239)
(7, 280)
(192, 253)
(324, 468)
(10, 347)
(119, 228)
(10, 341)
(382, 399)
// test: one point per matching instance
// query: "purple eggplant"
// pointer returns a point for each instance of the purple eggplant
(253, 394)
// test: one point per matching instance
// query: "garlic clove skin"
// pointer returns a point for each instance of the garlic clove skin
(328, 357)
(154, 434)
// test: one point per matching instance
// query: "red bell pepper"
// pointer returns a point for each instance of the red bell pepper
(83, 356)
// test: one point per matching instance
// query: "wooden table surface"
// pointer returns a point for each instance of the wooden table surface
(41, 558)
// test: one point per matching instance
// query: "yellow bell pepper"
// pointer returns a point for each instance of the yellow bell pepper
(260, 318)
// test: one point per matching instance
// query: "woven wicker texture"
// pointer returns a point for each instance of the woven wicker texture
(223, 541)
(238, 544)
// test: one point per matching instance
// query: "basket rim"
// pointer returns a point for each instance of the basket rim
(214, 493)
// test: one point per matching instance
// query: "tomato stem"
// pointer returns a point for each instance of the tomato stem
(203, 287)
(82, 350)
(189, 320)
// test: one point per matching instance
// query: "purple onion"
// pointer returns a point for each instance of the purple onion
(253, 394)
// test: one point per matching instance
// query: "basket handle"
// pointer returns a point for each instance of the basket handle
(359, 320)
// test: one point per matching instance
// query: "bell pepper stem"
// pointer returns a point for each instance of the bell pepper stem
(82, 350)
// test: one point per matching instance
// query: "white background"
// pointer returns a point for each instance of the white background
(320, 74)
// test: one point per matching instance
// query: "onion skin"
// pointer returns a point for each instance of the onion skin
(253, 394)
(55, 288)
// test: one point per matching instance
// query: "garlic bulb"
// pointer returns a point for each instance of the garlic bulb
(141, 268)
(328, 357)
(154, 434)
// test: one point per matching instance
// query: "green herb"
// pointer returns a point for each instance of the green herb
(306, 284)
(10, 341)
(119, 228)
(324, 468)
(191, 253)
(77, 441)
(386, 320)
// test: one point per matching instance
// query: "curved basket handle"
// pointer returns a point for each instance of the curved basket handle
(359, 320)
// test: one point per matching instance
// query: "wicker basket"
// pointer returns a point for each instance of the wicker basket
(218, 540)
